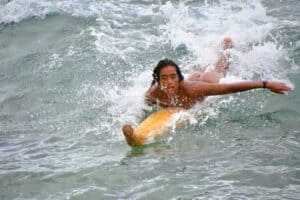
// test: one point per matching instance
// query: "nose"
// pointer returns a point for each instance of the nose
(169, 81)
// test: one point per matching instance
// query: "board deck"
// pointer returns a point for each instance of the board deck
(152, 127)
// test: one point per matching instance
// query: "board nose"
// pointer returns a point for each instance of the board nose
(127, 130)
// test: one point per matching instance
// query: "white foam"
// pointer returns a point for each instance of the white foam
(18, 10)
(124, 105)
(246, 23)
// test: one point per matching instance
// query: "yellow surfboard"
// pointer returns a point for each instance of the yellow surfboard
(152, 127)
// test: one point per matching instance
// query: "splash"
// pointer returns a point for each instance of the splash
(199, 28)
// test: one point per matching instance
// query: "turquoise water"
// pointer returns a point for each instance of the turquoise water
(73, 72)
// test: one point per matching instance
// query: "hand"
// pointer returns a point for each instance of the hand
(278, 87)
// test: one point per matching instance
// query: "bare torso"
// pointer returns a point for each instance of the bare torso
(185, 97)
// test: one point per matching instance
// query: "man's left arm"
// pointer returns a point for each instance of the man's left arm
(219, 89)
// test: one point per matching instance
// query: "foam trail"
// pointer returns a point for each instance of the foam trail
(246, 23)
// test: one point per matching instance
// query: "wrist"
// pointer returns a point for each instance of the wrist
(265, 83)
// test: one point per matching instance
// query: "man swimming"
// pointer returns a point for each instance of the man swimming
(170, 89)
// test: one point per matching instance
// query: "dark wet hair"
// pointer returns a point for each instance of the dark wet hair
(161, 64)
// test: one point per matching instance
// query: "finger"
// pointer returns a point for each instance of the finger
(289, 87)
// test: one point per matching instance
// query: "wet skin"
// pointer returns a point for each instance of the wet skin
(169, 80)
(170, 92)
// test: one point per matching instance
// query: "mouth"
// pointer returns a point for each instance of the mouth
(170, 89)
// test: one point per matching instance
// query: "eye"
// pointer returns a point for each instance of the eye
(173, 76)
(163, 77)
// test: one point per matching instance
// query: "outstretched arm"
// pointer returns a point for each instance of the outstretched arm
(219, 89)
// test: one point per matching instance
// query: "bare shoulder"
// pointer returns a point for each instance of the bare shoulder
(152, 93)
(153, 89)
(200, 89)
(193, 87)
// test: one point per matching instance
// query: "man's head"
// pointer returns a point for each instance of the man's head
(168, 75)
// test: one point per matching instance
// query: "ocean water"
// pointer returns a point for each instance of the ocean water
(73, 72)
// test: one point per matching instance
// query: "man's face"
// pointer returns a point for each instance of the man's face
(169, 80)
